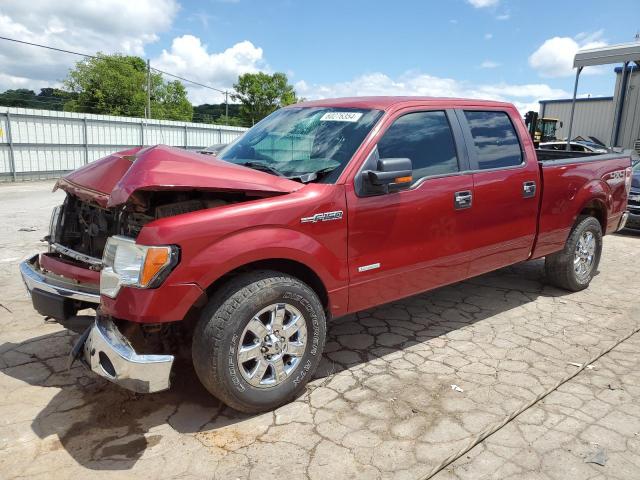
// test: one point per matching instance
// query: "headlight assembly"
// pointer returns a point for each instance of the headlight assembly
(125, 263)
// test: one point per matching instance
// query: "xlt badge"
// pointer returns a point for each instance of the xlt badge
(323, 217)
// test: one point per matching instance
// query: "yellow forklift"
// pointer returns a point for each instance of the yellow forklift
(541, 129)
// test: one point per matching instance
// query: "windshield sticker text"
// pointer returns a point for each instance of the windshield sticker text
(341, 117)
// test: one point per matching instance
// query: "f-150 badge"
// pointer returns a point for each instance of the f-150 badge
(323, 217)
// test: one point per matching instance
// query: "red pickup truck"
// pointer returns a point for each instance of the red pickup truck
(322, 209)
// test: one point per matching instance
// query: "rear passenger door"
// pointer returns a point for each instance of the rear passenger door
(506, 186)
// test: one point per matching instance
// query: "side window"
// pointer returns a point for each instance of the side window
(425, 138)
(495, 139)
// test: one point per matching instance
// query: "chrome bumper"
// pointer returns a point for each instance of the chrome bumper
(108, 353)
(623, 221)
(34, 278)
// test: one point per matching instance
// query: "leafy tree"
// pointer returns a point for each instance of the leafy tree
(261, 94)
(231, 121)
(117, 85)
(47, 99)
(172, 102)
(213, 113)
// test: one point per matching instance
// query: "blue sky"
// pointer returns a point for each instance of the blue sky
(519, 51)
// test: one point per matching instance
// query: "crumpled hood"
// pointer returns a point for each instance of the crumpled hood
(111, 180)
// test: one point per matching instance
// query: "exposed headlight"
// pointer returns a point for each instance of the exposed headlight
(125, 263)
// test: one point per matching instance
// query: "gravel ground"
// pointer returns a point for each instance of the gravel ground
(382, 405)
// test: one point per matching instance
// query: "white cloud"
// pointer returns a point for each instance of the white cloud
(489, 64)
(554, 58)
(524, 96)
(483, 3)
(190, 58)
(504, 16)
(122, 26)
(87, 27)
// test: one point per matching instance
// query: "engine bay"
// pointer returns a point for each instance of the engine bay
(84, 227)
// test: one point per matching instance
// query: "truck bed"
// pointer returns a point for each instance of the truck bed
(575, 183)
(545, 155)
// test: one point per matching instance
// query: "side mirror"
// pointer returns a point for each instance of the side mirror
(390, 175)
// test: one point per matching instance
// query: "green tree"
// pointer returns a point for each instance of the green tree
(117, 85)
(47, 99)
(212, 113)
(230, 121)
(261, 94)
(172, 102)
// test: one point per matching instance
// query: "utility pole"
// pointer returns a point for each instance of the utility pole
(148, 89)
(226, 104)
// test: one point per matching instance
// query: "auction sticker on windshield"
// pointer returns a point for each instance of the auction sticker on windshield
(341, 117)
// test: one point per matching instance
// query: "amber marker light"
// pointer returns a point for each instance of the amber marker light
(155, 260)
(403, 179)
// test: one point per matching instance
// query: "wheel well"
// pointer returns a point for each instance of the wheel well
(290, 267)
(597, 210)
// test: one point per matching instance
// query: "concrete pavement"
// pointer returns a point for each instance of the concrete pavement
(381, 406)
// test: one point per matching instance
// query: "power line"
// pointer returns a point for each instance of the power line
(47, 47)
(187, 80)
(226, 92)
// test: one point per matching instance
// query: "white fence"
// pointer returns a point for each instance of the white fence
(36, 144)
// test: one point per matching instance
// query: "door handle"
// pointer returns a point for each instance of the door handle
(529, 189)
(462, 199)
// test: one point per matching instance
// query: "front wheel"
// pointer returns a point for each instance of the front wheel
(259, 340)
(574, 267)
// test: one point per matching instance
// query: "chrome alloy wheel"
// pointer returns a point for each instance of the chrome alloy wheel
(584, 255)
(272, 345)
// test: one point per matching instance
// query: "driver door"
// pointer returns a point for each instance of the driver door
(417, 239)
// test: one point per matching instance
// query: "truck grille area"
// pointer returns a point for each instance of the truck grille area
(84, 227)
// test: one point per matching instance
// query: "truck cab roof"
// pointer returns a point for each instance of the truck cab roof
(391, 102)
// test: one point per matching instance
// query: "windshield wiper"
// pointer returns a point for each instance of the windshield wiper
(311, 176)
(262, 167)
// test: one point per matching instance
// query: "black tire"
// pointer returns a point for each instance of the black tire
(217, 337)
(559, 267)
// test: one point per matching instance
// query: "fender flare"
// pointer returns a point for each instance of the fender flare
(595, 192)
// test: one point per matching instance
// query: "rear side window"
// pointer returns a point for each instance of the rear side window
(495, 139)
(425, 138)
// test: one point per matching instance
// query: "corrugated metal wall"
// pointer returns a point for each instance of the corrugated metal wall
(593, 117)
(37, 144)
(630, 120)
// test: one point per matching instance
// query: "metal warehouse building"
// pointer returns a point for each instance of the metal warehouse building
(595, 116)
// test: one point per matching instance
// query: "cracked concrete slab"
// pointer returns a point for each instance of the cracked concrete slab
(381, 405)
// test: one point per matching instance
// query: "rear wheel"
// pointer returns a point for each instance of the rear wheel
(259, 340)
(574, 267)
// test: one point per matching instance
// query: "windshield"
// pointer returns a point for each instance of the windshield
(306, 143)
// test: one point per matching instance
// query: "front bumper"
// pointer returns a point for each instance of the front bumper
(104, 350)
(35, 279)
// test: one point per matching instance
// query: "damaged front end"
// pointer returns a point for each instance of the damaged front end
(109, 202)
(104, 349)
